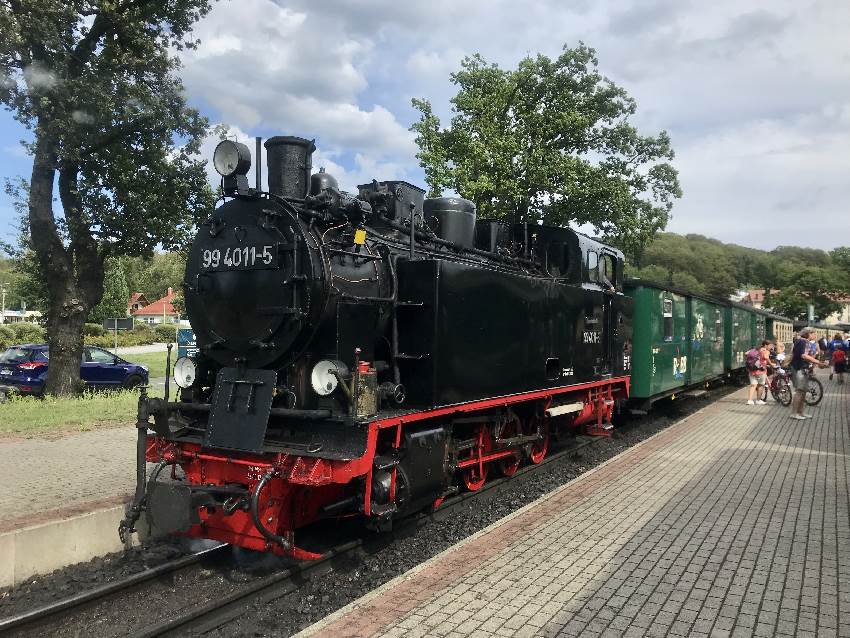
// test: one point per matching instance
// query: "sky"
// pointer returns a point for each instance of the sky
(755, 95)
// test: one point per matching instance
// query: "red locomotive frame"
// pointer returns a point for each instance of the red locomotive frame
(291, 490)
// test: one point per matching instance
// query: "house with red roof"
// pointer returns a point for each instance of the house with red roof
(755, 296)
(159, 311)
(137, 302)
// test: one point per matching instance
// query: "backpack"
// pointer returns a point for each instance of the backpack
(753, 360)
(838, 356)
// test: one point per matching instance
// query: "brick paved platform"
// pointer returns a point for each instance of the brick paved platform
(62, 499)
(734, 522)
(53, 477)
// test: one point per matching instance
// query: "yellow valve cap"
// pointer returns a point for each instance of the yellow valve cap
(360, 237)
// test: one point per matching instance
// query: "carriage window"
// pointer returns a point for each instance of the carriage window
(592, 266)
(718, 327)
(667, 313)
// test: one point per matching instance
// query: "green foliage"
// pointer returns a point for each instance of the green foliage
(126, 338)
(703, 265)
(810, 285)
(552, 141)
(7, 337)
(179, 303)
(166, 333)
(26, 332)
(841, 257)
(154, 275)
(27, 287)
(694, 263)
(115, 293)
(33, 416)
(94, 330)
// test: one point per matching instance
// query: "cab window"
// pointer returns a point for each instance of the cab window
(556, 259)
(718, 326)
(608, 270)
(592, 267)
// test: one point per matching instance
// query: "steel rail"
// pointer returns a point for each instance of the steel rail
(103, 592)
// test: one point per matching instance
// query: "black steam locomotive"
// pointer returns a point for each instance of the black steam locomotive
(368, 355)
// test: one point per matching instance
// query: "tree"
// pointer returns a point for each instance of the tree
(93, 80)
(116, 293)
(811, 285)
(550, 141)
(155, 275)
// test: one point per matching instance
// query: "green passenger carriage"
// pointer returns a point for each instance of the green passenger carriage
(678, 340)
(684, 342)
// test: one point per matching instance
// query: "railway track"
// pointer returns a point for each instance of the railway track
(47, 613)
(203, 618)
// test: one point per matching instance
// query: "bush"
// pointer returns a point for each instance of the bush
(140, 327)
(25, 332)
(7, 337)
(94, 330)
(165, 332)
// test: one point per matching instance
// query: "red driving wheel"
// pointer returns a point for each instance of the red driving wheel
(475, 476)
(538, 450)
(511, 428)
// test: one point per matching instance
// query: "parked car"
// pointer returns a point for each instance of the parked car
(23, 368)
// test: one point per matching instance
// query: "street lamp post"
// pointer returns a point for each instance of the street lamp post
(3, 303)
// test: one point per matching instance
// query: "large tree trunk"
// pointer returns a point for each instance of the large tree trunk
(68, 305)
(65, 338)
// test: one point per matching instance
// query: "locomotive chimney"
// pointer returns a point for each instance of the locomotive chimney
(290, 162)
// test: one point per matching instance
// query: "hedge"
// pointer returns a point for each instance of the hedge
(7, 337)
(93, 334)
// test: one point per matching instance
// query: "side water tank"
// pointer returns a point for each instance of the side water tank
(452, 219)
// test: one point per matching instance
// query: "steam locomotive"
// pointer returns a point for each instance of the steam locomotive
(369, 355)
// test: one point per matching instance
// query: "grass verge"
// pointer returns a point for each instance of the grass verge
(32, 416)
(155, 361)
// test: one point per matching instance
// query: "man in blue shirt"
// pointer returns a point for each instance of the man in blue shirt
(801, 359)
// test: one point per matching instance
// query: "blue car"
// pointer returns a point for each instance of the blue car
(24, 369)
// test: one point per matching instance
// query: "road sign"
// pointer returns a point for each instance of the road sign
(118, 324)
(186, 346)
(115, 324)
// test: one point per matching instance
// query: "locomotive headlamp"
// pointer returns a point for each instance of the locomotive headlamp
(325, 376)
(185, 372)
(231, 158)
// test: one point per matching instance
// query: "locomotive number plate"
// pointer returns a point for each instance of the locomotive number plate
(240, 258)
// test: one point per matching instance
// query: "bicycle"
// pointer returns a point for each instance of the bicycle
(814, 391)
(783, 391)
(780, 388)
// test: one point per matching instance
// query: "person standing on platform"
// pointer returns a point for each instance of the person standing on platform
(779, 354)
(756, 361)
(801, 360)
(838, 347)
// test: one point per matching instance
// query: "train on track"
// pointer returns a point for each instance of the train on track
(369, 355)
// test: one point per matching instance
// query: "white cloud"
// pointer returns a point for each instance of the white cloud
(756, 96)
(290, 72)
